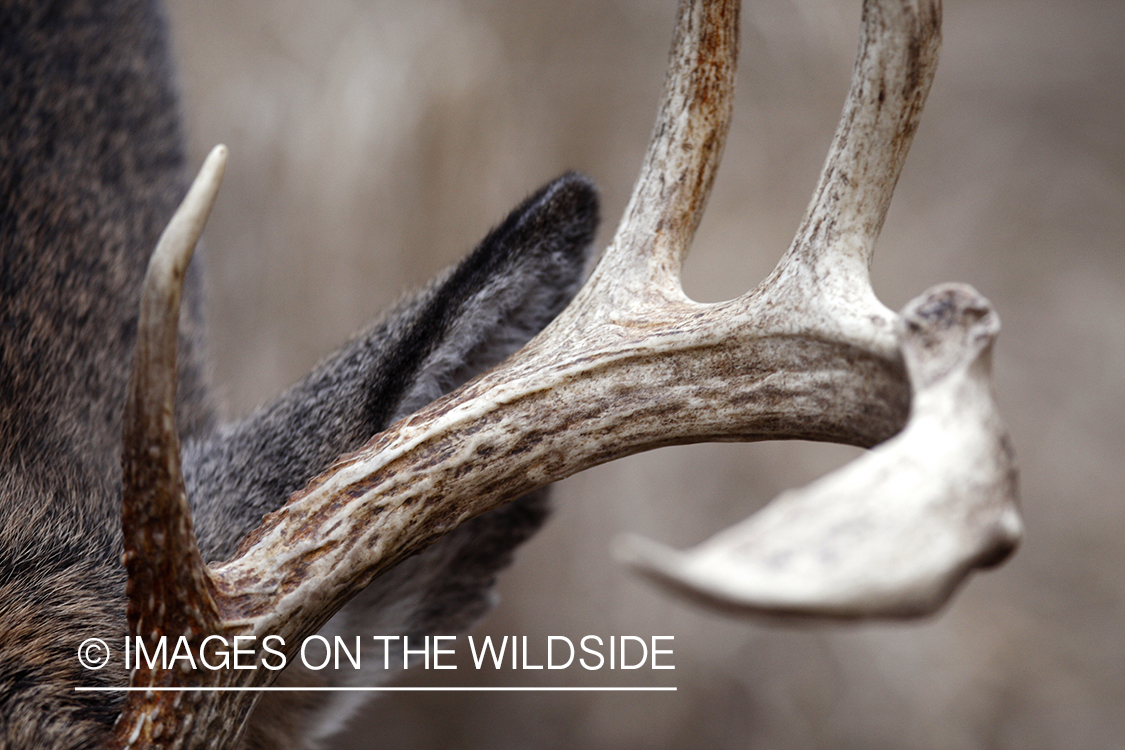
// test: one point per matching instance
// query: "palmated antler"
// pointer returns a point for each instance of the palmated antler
(631, 364)
(892, 533)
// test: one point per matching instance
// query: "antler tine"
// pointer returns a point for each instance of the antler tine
(825, 271)
(683, 156)
(168, 586)
(168, 593)
(895, 65)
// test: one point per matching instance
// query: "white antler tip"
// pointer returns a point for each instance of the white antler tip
(177, 242)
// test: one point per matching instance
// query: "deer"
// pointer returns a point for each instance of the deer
(388, 488)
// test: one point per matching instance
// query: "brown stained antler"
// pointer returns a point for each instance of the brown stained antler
(168, 584)
(631, 364)
(169, 587)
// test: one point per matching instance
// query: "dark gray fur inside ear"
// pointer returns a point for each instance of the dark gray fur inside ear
(516, 281)
(475, 314)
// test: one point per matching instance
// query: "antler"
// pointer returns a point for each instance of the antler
(632, 364)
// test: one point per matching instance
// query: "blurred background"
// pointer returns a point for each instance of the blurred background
(375, 141)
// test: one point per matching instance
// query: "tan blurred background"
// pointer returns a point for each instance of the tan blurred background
(375, 141)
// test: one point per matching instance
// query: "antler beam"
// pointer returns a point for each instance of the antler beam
(632, 363)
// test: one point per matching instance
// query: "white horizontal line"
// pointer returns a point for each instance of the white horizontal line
(398, 689)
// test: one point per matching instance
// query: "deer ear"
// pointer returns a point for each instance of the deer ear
(475, 314)
(512, 285)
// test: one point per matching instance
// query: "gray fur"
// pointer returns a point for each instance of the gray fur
(91, 167)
